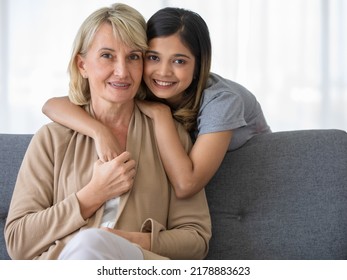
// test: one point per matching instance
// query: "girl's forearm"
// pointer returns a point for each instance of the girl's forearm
(177, 163)
(189, 173)
(61, 110)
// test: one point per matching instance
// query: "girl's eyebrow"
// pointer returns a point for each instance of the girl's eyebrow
(150, 51)
(175, 55)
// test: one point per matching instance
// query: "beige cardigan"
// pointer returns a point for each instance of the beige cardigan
(44, 212)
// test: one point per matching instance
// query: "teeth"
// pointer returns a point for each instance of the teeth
(118, 85)
(161, 83)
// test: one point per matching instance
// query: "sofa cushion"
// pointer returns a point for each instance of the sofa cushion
(13, 147)
(282, 196)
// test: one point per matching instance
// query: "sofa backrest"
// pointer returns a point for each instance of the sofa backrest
(282, 196)
(12, 150)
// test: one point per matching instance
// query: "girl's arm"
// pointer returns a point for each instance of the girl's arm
(188, 173)
(61, 110)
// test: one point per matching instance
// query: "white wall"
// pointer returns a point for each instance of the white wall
(291, 54)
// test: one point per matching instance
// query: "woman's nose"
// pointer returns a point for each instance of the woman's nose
(120, 68)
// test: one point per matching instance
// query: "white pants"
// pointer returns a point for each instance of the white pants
(97, 244)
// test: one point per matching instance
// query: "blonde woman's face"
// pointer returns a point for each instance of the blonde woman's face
(114, 70)
(169, 68)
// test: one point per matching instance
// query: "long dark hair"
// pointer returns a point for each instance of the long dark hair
(195, 35)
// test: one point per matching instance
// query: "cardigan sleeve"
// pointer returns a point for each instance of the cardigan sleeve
(189, 231)
(36, 221)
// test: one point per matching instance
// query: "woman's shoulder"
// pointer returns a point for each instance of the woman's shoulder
(53, 135)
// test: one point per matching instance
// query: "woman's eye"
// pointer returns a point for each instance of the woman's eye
(134, 57)
(106, 55)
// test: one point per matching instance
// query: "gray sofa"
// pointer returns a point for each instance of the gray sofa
(280, 196)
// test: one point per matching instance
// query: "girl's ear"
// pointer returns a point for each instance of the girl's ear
(81, 66)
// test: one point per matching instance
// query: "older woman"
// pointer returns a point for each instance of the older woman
(66, 198)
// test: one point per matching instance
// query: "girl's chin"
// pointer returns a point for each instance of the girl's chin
(160, 95)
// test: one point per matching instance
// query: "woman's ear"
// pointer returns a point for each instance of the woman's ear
(81, 66)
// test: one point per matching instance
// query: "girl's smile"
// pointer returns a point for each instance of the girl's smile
(169, 68)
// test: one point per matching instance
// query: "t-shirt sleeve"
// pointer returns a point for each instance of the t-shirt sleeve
(223, 111)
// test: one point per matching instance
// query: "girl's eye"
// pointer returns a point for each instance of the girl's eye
(179, 61)
(152, 57)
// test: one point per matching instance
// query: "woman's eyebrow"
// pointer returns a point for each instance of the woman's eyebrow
(112, 50)
(106, 49)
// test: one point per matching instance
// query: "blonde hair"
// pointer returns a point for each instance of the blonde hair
(128, 25)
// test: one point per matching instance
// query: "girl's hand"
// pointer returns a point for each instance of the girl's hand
(153, 110)
(140, 238)
(107, 146)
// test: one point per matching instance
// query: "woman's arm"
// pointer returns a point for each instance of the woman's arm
(38, 209)
(188, 173)
(61, 110)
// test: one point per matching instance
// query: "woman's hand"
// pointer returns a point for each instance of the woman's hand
(110, 179)
(153, 110)
(115, 177)
(140, 238)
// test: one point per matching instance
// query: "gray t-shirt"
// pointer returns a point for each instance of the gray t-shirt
(227, 105)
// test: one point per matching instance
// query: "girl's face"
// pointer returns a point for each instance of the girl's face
(169, 68)
(114, 70)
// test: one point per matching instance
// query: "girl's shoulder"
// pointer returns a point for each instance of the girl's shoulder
(218, 87)
(217, 83)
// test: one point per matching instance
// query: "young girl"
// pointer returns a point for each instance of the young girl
(221, 115)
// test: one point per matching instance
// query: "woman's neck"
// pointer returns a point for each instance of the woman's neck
(117, 118)
(113, 115)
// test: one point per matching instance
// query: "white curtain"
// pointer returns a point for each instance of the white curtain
(291, 54)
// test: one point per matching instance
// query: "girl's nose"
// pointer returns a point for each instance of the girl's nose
(165, 69)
